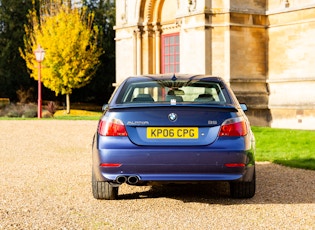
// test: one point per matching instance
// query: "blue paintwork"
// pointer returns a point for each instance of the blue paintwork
(171, 160)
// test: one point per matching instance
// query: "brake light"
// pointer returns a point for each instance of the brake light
(112, 127)
(110, 165)
(234, 127)
(234, 165)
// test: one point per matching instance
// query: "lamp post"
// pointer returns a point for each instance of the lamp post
(39, 55)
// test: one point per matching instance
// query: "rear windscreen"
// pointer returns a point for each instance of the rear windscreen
(168, 91)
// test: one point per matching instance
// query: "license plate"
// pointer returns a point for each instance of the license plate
(176, 132)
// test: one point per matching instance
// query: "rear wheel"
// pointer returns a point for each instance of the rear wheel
(243, 189)
(103, 190)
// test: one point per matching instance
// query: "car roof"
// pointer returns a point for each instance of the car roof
(178, 76)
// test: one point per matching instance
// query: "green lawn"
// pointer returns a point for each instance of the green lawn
(293, 148)
(77, 115)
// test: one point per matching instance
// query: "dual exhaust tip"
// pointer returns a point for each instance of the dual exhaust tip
(133, 179)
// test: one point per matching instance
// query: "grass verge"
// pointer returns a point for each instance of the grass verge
(293, 148)
(77, 115)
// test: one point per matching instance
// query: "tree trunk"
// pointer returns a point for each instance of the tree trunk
(68, 103)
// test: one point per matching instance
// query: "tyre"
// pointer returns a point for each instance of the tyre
(243, 189)
(103, 190)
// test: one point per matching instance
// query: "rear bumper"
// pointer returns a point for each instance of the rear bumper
(173, 164)
(175, 177)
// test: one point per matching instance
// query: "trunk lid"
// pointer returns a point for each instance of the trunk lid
(173, 126)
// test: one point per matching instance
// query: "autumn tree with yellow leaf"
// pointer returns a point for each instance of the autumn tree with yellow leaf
(70, 42)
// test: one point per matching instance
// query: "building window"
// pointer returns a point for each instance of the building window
(170, 53)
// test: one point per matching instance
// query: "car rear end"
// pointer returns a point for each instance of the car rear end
(180, 136)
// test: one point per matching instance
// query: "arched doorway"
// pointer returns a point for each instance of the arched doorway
(157, 37)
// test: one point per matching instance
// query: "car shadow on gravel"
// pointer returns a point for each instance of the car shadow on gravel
(203, 193)
(275, 184)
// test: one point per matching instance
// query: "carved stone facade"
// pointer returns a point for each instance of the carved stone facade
(264, 48)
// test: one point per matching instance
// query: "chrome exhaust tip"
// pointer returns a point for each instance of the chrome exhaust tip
(121, 179)
(133, 180)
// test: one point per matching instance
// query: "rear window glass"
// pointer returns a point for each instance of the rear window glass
(168, 91)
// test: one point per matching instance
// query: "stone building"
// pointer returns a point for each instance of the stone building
(265, 49)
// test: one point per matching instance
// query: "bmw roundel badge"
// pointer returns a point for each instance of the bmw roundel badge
(172, 116)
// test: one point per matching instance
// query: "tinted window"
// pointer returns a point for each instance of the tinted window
(166, 91)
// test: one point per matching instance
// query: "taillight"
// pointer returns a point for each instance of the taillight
(112, 127)
(234, 165)
(110, 165)
(234, 127)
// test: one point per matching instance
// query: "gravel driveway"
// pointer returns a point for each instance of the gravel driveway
(45, 174)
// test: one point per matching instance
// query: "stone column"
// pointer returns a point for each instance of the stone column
(138, 51)
(157, 30)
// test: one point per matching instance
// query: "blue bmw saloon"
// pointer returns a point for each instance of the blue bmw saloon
(170, 129)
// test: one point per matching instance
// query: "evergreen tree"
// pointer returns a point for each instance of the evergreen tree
(100, 88)
(13, 71)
